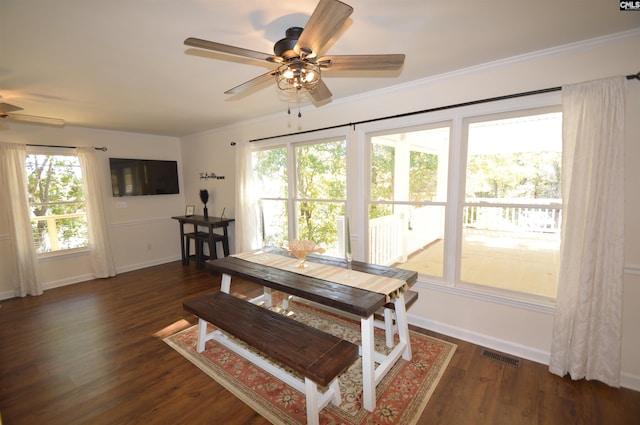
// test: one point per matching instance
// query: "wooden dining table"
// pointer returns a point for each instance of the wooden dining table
(341, 297)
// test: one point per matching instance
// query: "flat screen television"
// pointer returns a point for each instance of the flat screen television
(136, 177)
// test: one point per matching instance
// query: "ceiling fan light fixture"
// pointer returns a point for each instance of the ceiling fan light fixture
(298, 75)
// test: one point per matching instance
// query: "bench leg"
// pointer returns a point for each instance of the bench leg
(313, 410)
(202, 335)
(268, 301)
(225, 283)
(335, 387)
(285, 301)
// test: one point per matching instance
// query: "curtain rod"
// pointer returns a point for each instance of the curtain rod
(103, 148)
(424, 111)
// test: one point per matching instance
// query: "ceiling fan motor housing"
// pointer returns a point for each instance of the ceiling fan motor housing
(284, 47)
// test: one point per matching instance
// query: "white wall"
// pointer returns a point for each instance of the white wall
(513, 327)
(142, 233)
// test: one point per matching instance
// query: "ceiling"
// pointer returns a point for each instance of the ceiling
(122, 64)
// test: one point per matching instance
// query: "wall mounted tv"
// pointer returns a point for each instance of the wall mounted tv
(136, 177)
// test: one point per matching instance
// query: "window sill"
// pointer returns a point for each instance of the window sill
(66, 253)
(522, 301)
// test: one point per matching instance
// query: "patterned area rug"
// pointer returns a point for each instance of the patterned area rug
(401, 396)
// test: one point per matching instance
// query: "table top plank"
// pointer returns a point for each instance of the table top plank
(345, 298)
(204, 221)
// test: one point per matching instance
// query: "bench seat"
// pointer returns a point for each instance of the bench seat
(312, 353)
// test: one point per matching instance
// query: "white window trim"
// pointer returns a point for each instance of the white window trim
(358, 187)
(63, 151)
(457, 116)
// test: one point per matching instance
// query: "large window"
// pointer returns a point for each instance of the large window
(408, 197)
(470, 200)
(502, 229)
(512, 207)
(310, 181)
(56, 201)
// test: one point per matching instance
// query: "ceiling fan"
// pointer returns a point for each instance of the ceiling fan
(6, 112)
(298, 54)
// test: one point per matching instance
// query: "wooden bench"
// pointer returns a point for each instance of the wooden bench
(314, 354)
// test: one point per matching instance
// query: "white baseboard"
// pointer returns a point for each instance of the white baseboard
(630, 381)
(68, 281)
(155, 262)
(626, 380)
(508, 347)
(5, 295)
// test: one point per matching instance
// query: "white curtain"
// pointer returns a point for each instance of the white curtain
(588, 321)
(247, 209)
(16, 206)
(99, 246)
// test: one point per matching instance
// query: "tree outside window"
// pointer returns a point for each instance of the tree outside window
(315, 190)
(57, 202)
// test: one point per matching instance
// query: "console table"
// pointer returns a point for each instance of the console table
(210, 223)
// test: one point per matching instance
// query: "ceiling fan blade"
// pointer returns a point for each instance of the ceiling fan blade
(34, 119)
(252, 83)
(321, 93)
(325, 21)
(361, 62)
(5, 107)
(224, 48)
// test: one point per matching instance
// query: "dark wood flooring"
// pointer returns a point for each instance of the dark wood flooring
(92, 353)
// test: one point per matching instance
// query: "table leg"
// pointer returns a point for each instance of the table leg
(213, 254)
(403, 325)
(182, 245)
(225, 242)
(199, 248)
(368, 364)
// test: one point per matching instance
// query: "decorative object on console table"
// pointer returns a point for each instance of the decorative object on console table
(204, 197)
(189, 210)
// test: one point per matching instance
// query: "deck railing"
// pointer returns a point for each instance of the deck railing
(394, 238)
(51, 241)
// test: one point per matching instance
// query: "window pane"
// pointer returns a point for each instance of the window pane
(274, 221)
(319, 222)
(410, 166)
(56, 198)
(321, 170)
(515, 158)
(270, 173)
(409, 172)
(512, 216)
(418, 230)
(382, 166)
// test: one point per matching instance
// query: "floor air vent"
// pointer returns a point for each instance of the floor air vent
(511, 361)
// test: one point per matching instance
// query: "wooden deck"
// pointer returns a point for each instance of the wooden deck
(498, 259)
